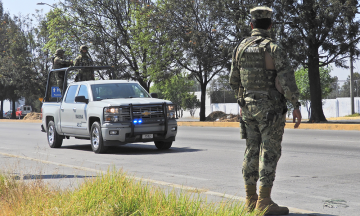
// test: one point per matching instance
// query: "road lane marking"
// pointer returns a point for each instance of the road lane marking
(182, 176)
(98, 162)
(178, 186)
(337, 140)
(47, 154)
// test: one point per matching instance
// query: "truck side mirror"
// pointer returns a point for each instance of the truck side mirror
(81, 99)
(154, 95)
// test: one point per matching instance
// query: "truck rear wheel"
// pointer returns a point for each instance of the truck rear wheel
(161, 145)
(96, 138)
(54, 139)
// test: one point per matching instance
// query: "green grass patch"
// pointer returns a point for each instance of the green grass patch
(353, 115)
(110, 194)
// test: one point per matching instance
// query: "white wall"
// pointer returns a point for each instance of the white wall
(228, 108)
(186, 113)
(8, 104)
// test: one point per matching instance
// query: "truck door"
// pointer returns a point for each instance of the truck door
(81, 114)
(68, 111)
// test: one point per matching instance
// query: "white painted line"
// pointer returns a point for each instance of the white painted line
(47, 154)
(182, 176)
(341, 141)
(191, 189)
(5, 148)
(98, 162)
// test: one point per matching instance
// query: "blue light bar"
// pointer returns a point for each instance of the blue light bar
(135, 121)
(140, 121)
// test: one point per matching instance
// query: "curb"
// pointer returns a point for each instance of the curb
(313, 126)
(20, 121)
(323, 126)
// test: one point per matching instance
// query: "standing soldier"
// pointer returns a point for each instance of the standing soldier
(59, 62)
(262, 77)
(84, 60)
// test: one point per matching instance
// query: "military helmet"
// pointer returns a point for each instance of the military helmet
(261, 12)
(59, 52)
(83, 47)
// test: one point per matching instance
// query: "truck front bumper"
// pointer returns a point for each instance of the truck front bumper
(116, 134)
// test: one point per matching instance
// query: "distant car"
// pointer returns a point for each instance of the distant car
(8, 114)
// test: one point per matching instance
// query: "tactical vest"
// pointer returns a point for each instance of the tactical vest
(85, 61)
(251, 61)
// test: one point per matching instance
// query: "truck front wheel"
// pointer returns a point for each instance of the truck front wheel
(54, 139)
(161, 145)
(96, 138)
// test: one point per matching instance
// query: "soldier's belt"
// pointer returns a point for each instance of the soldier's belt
(257, 96)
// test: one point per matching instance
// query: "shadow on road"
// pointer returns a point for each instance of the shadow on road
(43, 177)
(134, 149)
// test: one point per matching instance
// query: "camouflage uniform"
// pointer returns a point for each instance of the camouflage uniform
(263, 106)
(59, 62)
(84, 60)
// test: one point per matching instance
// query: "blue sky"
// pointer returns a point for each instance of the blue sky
(24, 7)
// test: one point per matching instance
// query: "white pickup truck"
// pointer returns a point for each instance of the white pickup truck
(108, 113)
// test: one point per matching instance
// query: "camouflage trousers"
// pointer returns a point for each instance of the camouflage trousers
(263, 143)
(85, 75)
(59, 76)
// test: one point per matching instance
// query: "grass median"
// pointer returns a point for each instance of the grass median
(112, 193)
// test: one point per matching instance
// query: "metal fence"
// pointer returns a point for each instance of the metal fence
(341, 88)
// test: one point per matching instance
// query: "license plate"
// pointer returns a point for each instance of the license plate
(147, 136)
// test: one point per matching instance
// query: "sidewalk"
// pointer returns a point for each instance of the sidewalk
(340, 123)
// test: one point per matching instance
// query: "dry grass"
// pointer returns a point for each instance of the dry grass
(353, 115)
(110, 194)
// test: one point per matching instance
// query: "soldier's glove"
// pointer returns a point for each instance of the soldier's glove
(241, 102)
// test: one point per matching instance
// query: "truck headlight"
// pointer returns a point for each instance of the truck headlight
(171, 112)
(111, 110)
(111, 114)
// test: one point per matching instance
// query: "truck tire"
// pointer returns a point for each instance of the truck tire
(96, 139)
(54, 139)
(161, 145)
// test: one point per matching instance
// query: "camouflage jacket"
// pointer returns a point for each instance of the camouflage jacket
(83, 60)
(60, 63)
(283, 69)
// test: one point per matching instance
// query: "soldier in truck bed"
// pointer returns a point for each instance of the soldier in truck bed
(60, 62)
(84, 60)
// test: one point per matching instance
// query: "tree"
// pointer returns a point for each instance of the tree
(302, 81)
(316, 34)
(40, 59)
(203, 33)
(124, 34)
(14, 60)
(176, 89)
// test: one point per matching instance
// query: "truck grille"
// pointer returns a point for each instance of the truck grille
(148, 113)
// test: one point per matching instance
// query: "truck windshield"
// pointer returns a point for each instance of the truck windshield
(118, 90)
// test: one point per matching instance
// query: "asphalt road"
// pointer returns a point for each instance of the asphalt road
(318, 170)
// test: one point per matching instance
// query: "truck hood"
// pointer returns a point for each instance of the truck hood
(127, 101)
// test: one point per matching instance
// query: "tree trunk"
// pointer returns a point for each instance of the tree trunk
(2, 109)
(317, 114)
(13, 115)
(202, 102)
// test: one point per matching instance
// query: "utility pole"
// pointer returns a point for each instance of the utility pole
(351, 81)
